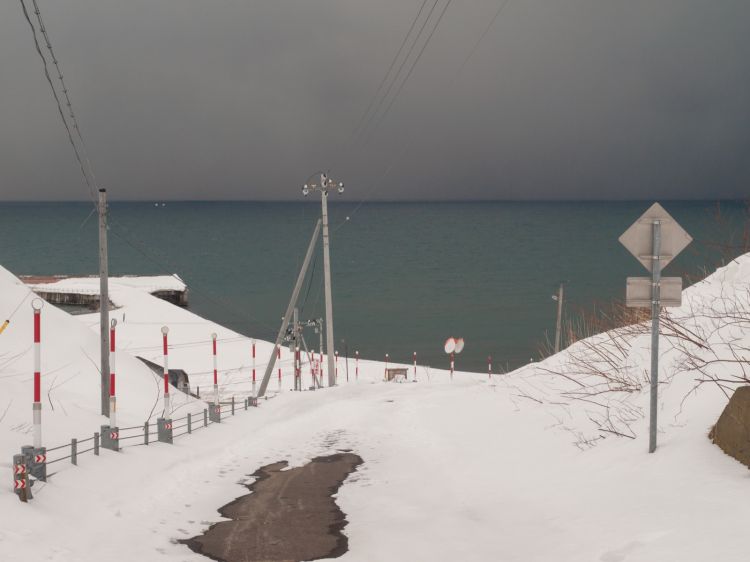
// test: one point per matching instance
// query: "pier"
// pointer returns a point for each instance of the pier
(68, 290)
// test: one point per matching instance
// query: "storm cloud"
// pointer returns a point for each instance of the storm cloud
(235, 99)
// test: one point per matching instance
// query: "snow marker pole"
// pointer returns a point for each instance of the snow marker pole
(356, 365)
(165, 331)
(112, 358)
(452, 364)
(216, 372)
(385, 373)
(336, 371)
(37, 406)
(489, 367)
(414, 357)
(254, 394)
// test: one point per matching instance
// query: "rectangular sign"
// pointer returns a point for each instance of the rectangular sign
(638, 291)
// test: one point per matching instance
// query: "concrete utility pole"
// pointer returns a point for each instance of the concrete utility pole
(103, 302)
(323, 187)
(558, 325)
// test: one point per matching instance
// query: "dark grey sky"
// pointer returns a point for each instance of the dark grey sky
(235, 99)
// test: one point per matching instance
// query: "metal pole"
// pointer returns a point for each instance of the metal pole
(103, 302)
(295, 343)
(558, 325)
(289, 309)
(655, 296)
(328, 296)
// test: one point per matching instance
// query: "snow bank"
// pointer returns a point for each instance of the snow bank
(464, 470)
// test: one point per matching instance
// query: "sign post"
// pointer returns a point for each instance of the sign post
(654, 239)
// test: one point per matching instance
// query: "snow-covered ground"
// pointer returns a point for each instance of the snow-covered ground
(525, 467)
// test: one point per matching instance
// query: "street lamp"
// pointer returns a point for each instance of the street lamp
(323, 186)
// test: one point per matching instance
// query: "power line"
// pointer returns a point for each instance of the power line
(410, 141)
(400, 68)
(57, 100)
(390, 68)
(411, 69)
(65, 92)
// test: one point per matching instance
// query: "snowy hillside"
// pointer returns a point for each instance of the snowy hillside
(545, 463)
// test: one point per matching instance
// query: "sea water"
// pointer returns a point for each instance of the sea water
(406, 276)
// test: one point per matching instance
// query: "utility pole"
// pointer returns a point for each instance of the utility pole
(323, 187)
(103, 302)
(558, 325)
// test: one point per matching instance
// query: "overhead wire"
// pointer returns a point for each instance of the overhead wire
(89, 181)
(388, 72)
(398, 72)
(411, 70)
(409, 142)
(68, 103)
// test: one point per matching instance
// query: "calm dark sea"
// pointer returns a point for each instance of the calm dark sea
(405, 275)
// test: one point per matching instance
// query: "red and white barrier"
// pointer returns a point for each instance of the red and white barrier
(164, 332)
(453, 363)
(112, 371)
(356, 365)
(37, 305)
(254, 394)
(336, 372)
(489, 367)
(216, 371)
(414, 358)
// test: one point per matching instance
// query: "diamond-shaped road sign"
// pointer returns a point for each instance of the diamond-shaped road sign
(638, 239)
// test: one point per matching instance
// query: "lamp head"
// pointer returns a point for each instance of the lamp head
(341, 187)
(305, 190)
(164, 330)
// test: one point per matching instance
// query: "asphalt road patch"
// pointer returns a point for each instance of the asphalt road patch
(289, 515)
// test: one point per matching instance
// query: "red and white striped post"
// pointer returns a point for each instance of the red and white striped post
(254, 394)
(453, 359)
(164, 332)
(385, 372)
(278, 358)
(356, 365)
(37, 305)
(297, 368)
(489, 366)
(320, 370)
(112, 358)
(216, 370)
(414, 358)
(336, 373)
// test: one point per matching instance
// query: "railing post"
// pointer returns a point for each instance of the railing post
(232, 405)
(145, 433)
(74, 451)
(189, 422)
(96, 443)
(205, 417)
